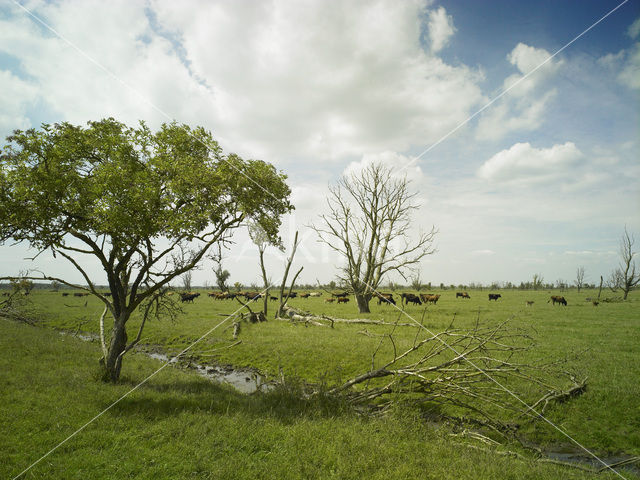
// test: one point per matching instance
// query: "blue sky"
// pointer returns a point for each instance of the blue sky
(542, 181)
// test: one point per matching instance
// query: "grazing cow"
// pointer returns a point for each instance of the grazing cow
(65, 294)
(463, 295)
(293, 294)
(340, 295)
(410, 297)
(188, 297)
(558, 299)
(429, 298)
(305, 295)
(494, 296)
(529, 303)
(595, 303)
(343, 300)
(329, 300)
(252, 295)
(78, 294)
(315, 294)
(385, 297)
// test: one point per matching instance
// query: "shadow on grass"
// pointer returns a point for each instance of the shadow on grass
(284, 403)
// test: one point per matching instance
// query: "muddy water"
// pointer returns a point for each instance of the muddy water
(582, 459)
(245, 381)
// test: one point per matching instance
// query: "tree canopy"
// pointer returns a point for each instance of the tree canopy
(148, 205)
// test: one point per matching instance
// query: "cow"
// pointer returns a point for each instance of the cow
(188, 297)
(305, 295)
(329, 300)
(252, 295)
(78, 294)
(462, 295)
(529, 303)
(65, 294)
(343, 300)
(410, 297)
(558, 299)
(494, 296)
(340, 295)
(385, 297)
(315, 294)
(429, 298)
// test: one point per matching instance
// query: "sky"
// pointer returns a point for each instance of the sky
(516, 122)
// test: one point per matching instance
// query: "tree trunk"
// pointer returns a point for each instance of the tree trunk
(113, 362)
(363, 303)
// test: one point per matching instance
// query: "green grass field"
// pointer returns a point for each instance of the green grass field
(180, 425)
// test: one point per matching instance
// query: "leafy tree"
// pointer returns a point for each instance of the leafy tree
(148, 205)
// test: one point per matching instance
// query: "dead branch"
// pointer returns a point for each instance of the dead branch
(474, 370)
(299, 315)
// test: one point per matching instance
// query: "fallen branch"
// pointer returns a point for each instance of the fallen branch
(300, 316)
(472, 369)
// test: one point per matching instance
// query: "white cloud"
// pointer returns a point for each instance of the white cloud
(16, 96)
(630, 74)
(332, 82)
(634, 28)
(524, 162)
(524, 105)
(440, 28)
(396, 162)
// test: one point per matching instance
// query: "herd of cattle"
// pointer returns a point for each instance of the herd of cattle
(383, 298)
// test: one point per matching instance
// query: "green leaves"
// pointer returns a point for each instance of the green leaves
(130, 184)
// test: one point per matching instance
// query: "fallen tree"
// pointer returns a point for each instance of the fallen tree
(293, 315)
(479, 371)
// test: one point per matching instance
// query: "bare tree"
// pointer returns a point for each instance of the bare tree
(538, 281)
(368, 225)
(416, 282)
(261, 240)
(625, 276)
(282, 297)
(221, 274)
(186, 280)
(579, 278)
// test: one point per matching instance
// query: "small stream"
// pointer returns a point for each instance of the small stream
(245, 380)
(581, 458)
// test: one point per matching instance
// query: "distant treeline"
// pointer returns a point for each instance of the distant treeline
(332, 286)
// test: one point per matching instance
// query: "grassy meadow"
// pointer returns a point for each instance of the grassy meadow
(180, 425)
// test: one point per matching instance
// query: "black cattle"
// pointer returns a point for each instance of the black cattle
(462, 294)
(410, 297)
(494, 296)
(558, 299)
(343, 300)
(188, 297)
